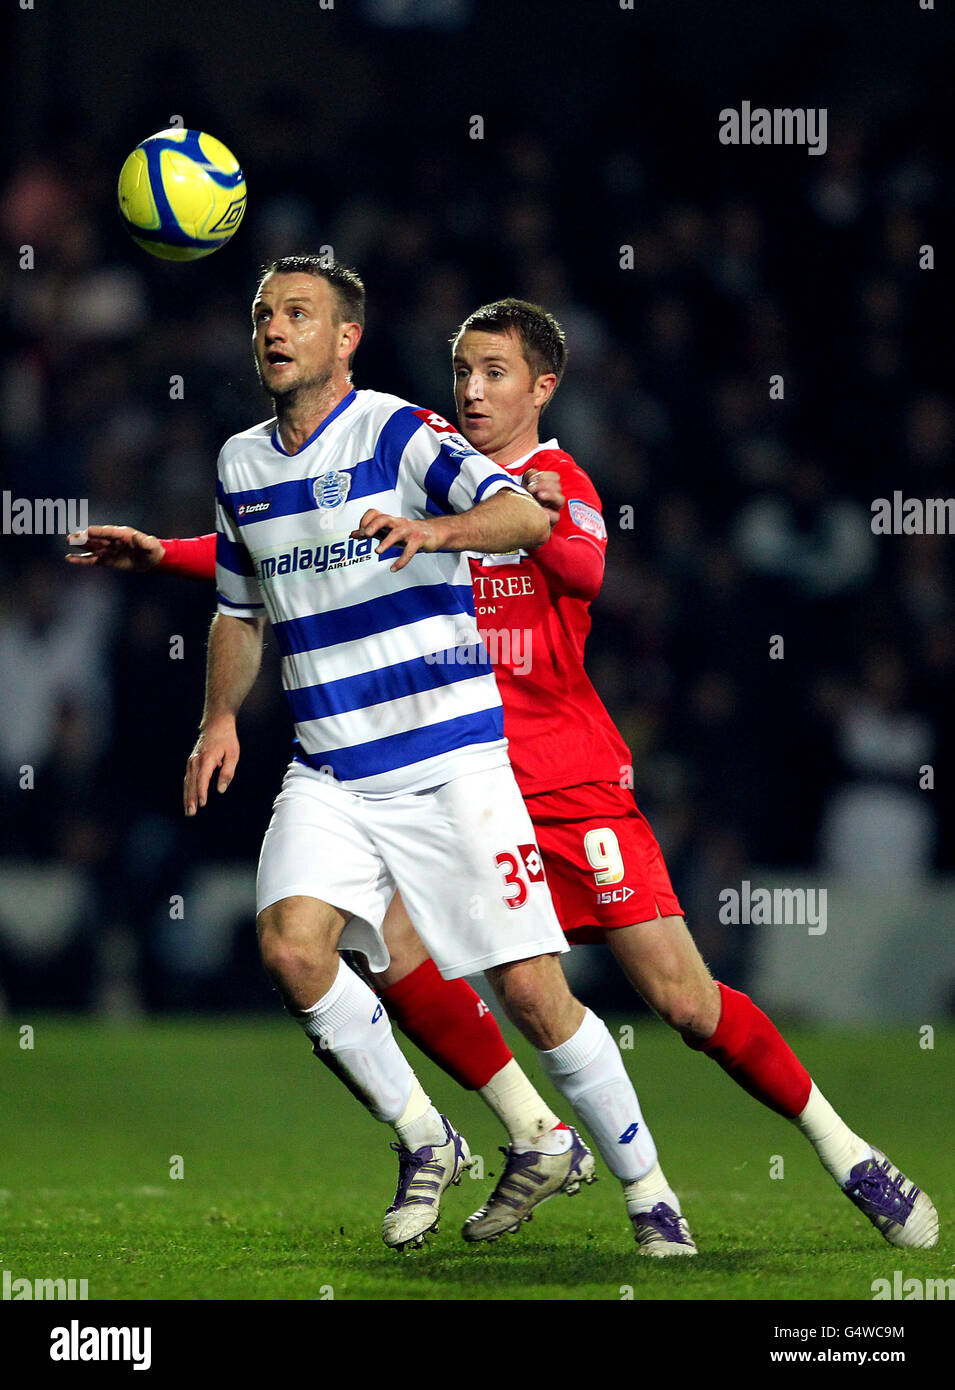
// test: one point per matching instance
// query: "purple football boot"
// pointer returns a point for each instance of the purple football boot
(660, 1232)
(895, 1206)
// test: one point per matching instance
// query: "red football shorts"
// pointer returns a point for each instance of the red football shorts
(604, 866)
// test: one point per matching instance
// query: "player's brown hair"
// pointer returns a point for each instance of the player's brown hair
(347, 284)
(540, 335)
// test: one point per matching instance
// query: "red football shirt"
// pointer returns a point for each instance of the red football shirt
(534, 614)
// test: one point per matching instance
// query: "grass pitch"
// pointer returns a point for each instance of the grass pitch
(284, 1178)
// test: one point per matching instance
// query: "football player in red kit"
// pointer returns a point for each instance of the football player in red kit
(604, 867)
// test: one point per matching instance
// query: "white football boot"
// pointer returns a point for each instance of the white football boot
(422, 1178)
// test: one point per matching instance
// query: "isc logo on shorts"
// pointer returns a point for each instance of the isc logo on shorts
(615, 895)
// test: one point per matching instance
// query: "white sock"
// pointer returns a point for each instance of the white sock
(522, 1112)
(352, 1035)
(589, 1071)
(839, 1149)
(644, 1194)
(419, 1124)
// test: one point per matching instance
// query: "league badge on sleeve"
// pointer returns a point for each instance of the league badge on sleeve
(331, 489)
(458, 447)
(587, 518)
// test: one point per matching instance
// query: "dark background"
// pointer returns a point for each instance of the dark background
(751, 516)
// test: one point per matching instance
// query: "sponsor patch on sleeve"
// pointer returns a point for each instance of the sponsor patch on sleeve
(436, 422)
(587, 518)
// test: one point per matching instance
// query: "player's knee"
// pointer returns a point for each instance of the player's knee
(282, 959)
(692, 1010)
(286, 945)
(526, 1010)
(534, 998)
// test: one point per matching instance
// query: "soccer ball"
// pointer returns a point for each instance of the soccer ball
(181, 194)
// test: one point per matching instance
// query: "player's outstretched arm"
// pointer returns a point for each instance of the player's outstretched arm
(122, 547)
(505, 522)
(232, 664)
(116, 547)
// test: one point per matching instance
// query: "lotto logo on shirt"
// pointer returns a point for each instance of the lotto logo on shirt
(436, 422)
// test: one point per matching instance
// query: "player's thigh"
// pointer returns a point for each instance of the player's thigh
(405, 947)
(470, 872)
(317, 848)
(662, 962)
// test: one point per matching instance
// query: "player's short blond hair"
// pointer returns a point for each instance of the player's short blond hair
(540, 335)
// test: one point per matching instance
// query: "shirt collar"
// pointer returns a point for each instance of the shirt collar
(343, 404)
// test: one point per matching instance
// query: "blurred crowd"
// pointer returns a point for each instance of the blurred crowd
(780, 673)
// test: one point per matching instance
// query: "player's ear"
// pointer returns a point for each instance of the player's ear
(349, 338)
(544, 388)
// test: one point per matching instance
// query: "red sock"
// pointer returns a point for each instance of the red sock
(450, 1023)
(751, 1050)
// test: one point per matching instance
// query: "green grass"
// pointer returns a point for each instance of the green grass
(285, 1178)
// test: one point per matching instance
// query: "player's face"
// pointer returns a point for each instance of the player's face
(497, 396)
(295, 334)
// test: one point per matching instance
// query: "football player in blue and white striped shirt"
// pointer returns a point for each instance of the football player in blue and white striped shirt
(345, 520)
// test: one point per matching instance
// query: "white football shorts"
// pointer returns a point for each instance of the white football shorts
(464, 856)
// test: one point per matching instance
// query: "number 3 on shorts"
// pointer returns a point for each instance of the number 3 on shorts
(512, 878)
(533, 868)
(603, 854)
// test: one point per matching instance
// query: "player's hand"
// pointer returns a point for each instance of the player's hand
(216, 747)
(116, 547)
(545, 487)
(412, 536)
